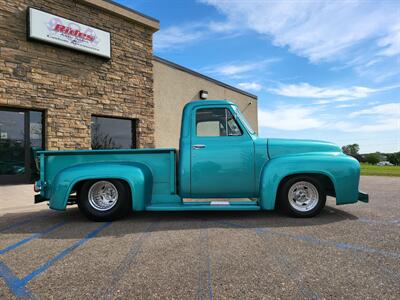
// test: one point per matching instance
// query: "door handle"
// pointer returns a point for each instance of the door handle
(198, 147)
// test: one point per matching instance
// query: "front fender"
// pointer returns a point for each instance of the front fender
(138, 176)
(342, 170)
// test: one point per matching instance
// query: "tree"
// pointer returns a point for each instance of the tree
(351, 149)
(394, 158)
(373, 158)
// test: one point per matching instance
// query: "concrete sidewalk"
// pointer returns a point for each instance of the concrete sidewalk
(18, 198)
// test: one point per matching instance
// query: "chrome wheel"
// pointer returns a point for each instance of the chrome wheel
(103, 195)
(303, 196)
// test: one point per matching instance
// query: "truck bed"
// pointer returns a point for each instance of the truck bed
(161, 162)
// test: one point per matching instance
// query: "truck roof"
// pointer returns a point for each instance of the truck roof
(196, 103)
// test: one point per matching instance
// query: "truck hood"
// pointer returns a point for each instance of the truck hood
(279, 147)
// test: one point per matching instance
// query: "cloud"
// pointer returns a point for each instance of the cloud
(318, 30)
(289, 118)
(378, 118)
(234, 69)
(391, 124)
(327, 94)
(345, 105)
(383, 110)
(251, 86)
(176, 37)
(305, 90)
(221, 27)
(391, 42)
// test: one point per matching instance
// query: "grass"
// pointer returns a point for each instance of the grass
(373, 170)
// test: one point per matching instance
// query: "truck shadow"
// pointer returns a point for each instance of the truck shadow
(77, 226)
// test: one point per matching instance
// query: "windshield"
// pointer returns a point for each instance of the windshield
(243, 119)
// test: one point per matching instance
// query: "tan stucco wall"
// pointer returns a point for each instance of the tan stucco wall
(173, 88)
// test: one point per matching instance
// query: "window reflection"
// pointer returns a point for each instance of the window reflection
(216, 122)
(36, 141)
(113, 133)
(20, 139)
(12, 142)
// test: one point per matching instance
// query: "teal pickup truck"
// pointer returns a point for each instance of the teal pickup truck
(220, 157)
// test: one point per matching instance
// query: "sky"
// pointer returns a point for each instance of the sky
(326, 70)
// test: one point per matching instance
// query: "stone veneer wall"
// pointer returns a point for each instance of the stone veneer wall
(70, 86)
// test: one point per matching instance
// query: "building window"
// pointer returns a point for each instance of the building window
(21, 136)
(113, 133)
(216, 122)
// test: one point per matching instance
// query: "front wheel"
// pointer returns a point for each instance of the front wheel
(302, 196)
(104, 199)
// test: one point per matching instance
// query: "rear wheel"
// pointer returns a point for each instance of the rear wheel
(302, 196)
(104, 199)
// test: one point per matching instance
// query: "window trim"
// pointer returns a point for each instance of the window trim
(221, 106)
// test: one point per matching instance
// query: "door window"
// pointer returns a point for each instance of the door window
(21, 136)
(12, 142)
(216, 122)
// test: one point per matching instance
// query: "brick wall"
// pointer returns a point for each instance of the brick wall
(70, 86)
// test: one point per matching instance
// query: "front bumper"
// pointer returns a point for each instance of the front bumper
(363, 197)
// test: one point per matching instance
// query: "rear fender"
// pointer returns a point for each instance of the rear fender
(138, 176)
(342, 170)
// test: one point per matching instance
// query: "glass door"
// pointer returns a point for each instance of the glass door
(20, 138)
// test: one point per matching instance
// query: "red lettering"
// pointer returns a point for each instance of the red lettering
(59, 27)
(77, 33)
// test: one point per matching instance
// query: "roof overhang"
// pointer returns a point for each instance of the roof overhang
(197, 74)
(124, 12)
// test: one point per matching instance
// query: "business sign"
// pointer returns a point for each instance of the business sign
(63, 32)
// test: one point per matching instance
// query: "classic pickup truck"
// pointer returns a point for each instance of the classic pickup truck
(220, 157)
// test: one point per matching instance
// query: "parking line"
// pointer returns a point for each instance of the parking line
(14, 283)
(205, 282)
(63, 253)
(15, 225)
(316, 241)
(30, 238)
(26, 221)
(127, 261)
(17, 286)
(365, 220)
(291, 271)
(379, 222)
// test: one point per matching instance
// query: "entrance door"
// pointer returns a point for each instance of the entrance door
(20, 137)
(222, 155)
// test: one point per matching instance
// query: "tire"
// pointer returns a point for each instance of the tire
(104, 199)
(302, 196)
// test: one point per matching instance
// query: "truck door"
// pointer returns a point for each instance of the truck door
(222, 155)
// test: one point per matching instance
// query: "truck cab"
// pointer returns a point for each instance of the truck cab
(220, 157)
(216, 140)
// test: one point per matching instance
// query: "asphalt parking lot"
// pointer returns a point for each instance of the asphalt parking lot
(347, 252)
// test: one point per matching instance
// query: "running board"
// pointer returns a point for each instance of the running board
(205, 206)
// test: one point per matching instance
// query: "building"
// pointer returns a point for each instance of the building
(175, 85)
(81, 74)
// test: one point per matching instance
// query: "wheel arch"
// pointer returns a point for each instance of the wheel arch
(276, 171)
(137, 177)
(324, 180)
